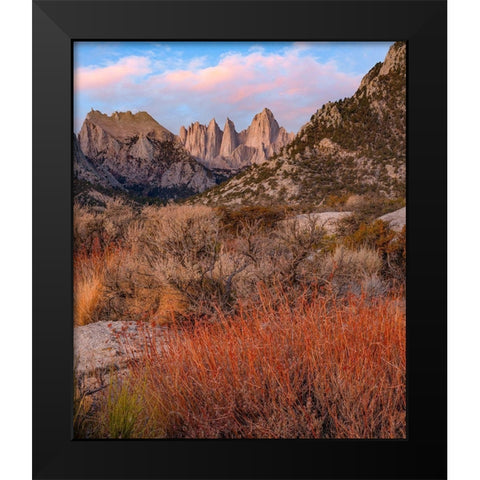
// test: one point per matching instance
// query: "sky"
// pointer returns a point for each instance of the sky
(179, 83)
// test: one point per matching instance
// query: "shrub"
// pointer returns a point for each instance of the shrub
(132, 291)
(234, 220)
(182, 246)
(357, 263)
(98, 228)
(354, 202)
(88, 292)
(336, 200)
(391, 246)
(346, 271)
(297, 240)
(167, 263)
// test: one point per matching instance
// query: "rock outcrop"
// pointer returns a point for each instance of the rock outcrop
(84, 170)
(112, 345)
(195, 139)
(229, 139)
(183, 135)
(213, 141)
(140, 156)
(230, 150)
(396, 220)
(103, 349)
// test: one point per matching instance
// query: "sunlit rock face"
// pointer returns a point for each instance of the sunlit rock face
(232, 150)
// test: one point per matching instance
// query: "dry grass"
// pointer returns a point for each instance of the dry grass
(165, 263)
(317, 352)
(172, 304)
(316, 368)
(88, 294)
(88, 286)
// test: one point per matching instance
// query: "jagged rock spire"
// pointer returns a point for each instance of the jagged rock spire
(229, 139)
(232, 150)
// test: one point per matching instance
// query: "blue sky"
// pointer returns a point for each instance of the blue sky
(182, 82)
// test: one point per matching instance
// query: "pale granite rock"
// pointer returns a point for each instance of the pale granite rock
(230, 150)
(103, 346)
(396, 219)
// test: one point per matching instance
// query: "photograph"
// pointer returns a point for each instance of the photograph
(239, 239)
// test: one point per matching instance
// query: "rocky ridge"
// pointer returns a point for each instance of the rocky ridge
(232, 150)
(134, 153)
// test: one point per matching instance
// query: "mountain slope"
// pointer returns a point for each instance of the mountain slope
(84, 170)
(229, 150)
(352, 146)
(135, 153)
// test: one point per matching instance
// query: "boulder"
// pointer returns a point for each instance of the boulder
(104, 347)
(396, 219)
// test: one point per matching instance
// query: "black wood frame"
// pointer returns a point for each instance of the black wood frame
(56, 24)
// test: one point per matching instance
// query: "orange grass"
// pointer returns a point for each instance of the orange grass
(315, 367)
(88, 282)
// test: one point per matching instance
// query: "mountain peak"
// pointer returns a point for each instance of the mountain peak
(263, 130)
(232, 150)
(265, 115)
(212, 122)
(123, 125)
(395, 58)
(229, 139)
(120, 116)
(183, 134)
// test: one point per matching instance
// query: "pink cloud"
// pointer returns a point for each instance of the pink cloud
(293, 82)
(201, 80)
(237, 77)
(293, 85)
(90, 78)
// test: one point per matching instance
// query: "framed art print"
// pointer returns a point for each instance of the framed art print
(239, 239)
